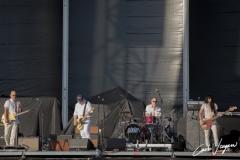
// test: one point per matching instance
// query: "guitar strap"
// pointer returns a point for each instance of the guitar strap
(84, 108)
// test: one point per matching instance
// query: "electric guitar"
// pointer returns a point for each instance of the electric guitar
(81, 121)
(12, 116)
(207, 122)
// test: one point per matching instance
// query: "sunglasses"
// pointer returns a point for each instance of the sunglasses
(154, 101)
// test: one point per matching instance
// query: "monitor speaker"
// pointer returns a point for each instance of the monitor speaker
(81, 144)
(115, 143)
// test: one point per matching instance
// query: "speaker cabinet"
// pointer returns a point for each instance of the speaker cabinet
(115, 143)
(194, 134)
(30, 143)
(81, 144)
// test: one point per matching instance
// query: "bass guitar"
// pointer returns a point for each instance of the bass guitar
(207, 122)
(81, 121)
(12, 116)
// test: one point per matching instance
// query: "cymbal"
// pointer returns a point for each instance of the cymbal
(125, 112)
(133, 117)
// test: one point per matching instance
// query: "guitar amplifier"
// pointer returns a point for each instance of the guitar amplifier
(194, 105)
(29, 143)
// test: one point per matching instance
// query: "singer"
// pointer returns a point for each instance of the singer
(152, 109)
(82, 116)
(11, 125)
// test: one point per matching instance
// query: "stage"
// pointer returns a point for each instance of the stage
(92, 154)
(110, 154)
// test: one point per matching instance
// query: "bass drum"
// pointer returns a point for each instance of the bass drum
(132, 133)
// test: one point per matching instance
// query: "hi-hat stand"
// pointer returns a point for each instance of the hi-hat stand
(121, 124)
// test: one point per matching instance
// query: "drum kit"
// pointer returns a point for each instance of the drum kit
(153, 130)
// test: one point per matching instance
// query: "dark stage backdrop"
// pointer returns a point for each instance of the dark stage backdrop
(215, 51)
(31, 47)
(134, 44)
(31, 122)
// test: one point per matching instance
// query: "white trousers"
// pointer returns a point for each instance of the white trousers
(10, 132)
(215, 135)
(85, 131)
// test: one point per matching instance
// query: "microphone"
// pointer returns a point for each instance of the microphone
(198, 98)
(103, 99)
(159, 95)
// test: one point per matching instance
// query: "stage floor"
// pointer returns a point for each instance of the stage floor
(21, 154)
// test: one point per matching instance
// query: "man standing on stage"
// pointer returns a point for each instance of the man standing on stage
(83, 108)
(11, 128)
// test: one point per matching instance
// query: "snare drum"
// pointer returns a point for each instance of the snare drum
(150, 120)
(132, 133)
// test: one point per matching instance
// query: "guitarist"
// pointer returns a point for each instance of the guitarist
(10, 129)
(210, 109)
(83, 108)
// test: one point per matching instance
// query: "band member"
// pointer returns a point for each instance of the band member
(210, 109)
(152, 109)
(10, 128)
(78, 112)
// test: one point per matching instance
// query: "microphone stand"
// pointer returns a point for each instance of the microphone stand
(103, 128)
(198, 125)
(98, 109)
(159, 96)
(42, 114)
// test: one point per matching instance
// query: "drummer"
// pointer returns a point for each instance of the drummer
(152, 109)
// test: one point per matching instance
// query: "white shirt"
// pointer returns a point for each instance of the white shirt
(207, 109)
(79, 109)
(12, 107)
(150, 110)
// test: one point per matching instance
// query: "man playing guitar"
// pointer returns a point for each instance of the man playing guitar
(10, 128)
(84, 110)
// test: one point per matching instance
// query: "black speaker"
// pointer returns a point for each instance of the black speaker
(115, 143)
(81, 144)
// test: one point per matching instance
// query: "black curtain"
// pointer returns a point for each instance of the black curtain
(214, 51)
